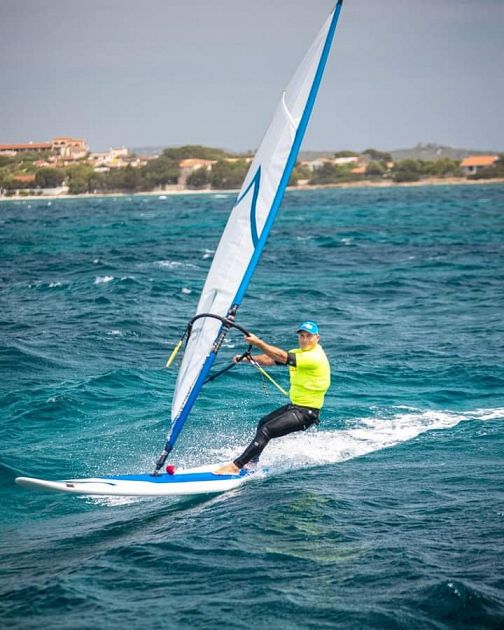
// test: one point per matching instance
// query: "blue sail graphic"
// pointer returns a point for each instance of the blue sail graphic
(254, 185)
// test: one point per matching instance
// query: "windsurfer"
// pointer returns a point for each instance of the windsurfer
(310, 377)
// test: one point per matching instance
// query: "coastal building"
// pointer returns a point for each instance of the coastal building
(68, 148)
(113, 158)
(474, 163)
(246, 159)
(359, 170)
(26, 147)
(313, 165)
(190, 165)
(64, 147)
(24, 184)
(343, 161)
(193, 164)
(25, 180)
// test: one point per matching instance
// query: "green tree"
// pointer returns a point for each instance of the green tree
(84, 171)
(332, 174)
(49, 178)
(97, 183)
(198, 179)
(194, 151)
(407, 171)
(227, 175)
(129, 179)
(376, 169)
(161, 171)
(444, 167)
(379, 156)
(299, 172)
(346, 153)
(11, 183)
(78, 177)
(77, 186)
(6, 160)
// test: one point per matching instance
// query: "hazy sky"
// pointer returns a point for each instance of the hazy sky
(171, 72)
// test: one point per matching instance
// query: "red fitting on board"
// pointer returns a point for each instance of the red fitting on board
(170, 469)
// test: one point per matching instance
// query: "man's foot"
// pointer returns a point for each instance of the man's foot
(227, 469)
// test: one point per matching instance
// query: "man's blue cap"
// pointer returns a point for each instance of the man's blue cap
(310, 327)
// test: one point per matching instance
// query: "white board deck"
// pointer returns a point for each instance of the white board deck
(200, 480)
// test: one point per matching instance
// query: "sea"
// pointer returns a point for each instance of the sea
(389, 514)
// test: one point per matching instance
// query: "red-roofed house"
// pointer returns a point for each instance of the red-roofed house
(24, 179)
(65, 147)
(473, 163)
(359, 170)
(26, 147)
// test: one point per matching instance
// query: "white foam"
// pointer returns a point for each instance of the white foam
(320, 447)
(103, 279)
(365, 436)
(488, 414)
(173, 264)
(111, 501)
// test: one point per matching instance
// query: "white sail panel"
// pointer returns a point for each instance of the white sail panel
(247, 219)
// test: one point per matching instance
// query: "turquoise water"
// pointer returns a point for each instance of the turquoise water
(389, 515)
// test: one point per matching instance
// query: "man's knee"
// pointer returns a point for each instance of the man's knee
(263, 435)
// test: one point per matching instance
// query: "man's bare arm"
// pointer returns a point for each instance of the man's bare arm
(271, 354)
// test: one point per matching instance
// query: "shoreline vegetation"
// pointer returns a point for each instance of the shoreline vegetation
(176, 191)
(195, 169)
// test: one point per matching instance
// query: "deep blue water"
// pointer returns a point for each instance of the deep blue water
(389, 515)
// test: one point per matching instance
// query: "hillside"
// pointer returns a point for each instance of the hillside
(422, 151)
(432, 151)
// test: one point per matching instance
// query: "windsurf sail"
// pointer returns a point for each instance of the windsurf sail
(248, 226)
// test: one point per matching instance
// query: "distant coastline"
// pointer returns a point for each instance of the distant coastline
(65, 168)
(177, 190)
